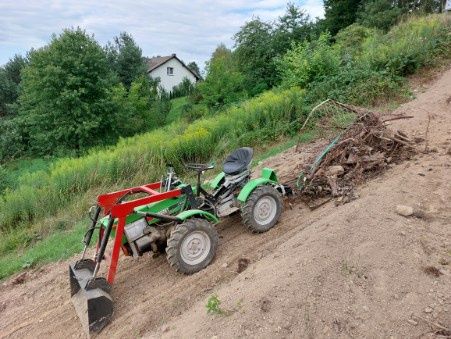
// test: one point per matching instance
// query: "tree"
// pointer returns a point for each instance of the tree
(424, 6)
(254, 54)
(194, 68)
(381, 14)
(66, 101)
(136, 106)
(340, 14)
(10, 77)
(126, 59)
(294, 26)
(259, 44)
(224, 84)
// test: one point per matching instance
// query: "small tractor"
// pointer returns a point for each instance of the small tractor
(172, 217)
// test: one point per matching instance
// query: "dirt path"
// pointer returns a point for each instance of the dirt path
(349, 271)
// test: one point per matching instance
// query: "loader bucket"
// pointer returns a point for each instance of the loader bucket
(91, 298)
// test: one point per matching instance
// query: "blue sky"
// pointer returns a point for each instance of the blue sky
(192, 29)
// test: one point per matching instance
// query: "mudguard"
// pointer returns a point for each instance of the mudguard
(268, 177)
(216, 181)
(197, 213)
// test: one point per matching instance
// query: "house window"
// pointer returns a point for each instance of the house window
(170, 70)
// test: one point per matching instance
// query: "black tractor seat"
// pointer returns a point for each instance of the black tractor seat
(238, 161)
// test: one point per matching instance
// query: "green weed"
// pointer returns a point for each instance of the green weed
(213, 305)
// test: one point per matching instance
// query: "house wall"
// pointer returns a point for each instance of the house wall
(169, 81)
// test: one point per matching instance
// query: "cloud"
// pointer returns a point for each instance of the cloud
(192, 29)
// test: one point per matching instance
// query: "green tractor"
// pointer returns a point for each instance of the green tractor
(174, 218)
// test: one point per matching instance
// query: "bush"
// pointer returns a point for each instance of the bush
(186, 87)
(356, 86)
(11, 139)
(366, 66)
(309, 61)
(349, 41)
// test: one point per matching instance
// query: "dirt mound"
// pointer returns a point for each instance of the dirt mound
(358, 270)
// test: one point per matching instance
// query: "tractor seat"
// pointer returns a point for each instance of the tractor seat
(238, 161)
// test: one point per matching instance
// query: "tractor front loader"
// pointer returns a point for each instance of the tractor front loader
(172, 217)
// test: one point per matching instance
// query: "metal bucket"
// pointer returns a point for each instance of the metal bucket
(90, 296)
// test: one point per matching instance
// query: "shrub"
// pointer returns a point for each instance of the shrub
(349, 41)
(186, 87)
(357, 86)
(309, 61)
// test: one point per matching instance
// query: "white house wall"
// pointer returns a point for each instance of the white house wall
(169, 81)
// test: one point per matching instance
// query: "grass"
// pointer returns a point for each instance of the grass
(12, 172)
(176, 112)
(59, 245)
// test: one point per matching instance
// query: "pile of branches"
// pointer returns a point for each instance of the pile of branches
(361, 150)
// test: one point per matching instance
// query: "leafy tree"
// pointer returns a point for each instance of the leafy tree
(224, 84)
(133, 106)
(65, 102)
(294, 26)
(424, 6)
(9, 84)
(258, 45)
(254, 54)
(126, 59)
(194, 67)
(381, 14)
(340, 14)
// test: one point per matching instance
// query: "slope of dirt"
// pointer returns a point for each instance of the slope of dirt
(353, 270)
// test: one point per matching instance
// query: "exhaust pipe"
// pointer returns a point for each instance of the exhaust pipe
(90, 296)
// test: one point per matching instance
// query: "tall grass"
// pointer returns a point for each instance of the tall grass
(413, 43)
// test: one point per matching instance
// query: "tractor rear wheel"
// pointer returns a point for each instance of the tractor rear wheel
(262, 209)
(192, 245)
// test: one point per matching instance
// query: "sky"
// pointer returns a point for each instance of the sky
(191, 29)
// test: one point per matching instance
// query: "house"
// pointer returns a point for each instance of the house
(170, 70)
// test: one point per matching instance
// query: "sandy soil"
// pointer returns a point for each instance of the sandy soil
(356, 270)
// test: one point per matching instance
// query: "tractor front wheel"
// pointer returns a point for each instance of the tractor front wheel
(192, 245)
(262, 209)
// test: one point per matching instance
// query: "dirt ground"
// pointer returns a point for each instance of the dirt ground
(357, 270)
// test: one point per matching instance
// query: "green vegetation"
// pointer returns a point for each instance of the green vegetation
(213, 305)
(177, 109)
(366, 61)
(12, 172)
(125, 59)
(224, 83)
(59, 245)
(72, 95)
(10, 78)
